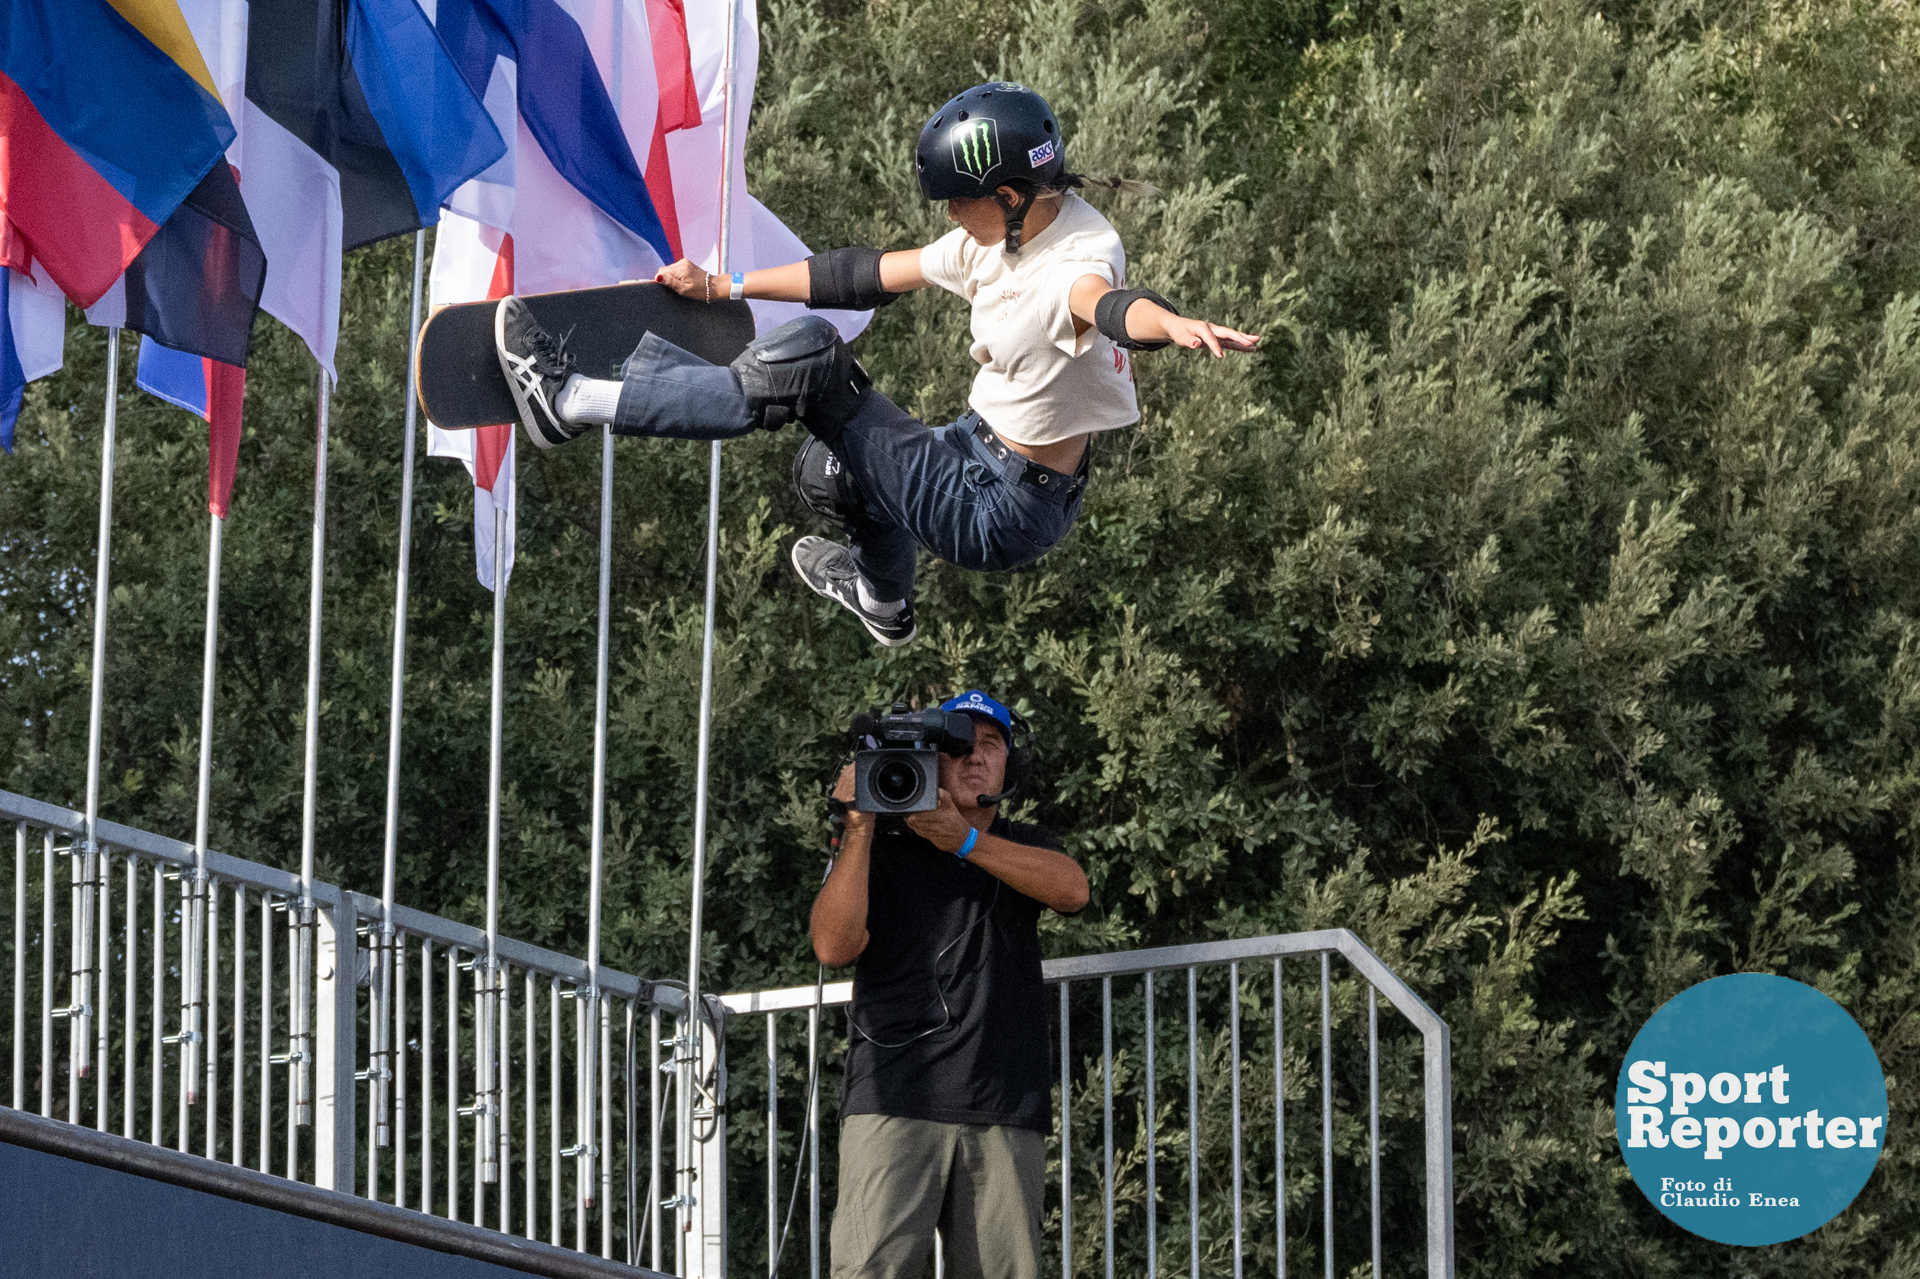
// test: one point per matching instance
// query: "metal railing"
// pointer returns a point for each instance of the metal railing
(182, 1027)
(1149, 1219)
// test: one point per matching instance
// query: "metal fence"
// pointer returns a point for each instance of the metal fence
(1239, 1130)
(161, 1009)
(1153, 1179)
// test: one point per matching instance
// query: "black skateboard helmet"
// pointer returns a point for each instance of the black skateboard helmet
(985, 138)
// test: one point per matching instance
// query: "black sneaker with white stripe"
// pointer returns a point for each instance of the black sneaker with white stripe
(828, 568)
(537, 366)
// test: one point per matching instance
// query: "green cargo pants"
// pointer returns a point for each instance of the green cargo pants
(900, 1178)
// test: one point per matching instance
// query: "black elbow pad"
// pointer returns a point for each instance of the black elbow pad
(1110, 316)
(846, 280)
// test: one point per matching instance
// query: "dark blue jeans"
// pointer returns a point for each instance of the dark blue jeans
(972, 501)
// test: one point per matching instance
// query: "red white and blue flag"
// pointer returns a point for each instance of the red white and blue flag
(571, 204)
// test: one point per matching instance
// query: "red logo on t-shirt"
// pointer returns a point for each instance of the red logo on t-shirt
(1120, 363)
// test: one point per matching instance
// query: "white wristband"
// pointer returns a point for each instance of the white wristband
(739, 289)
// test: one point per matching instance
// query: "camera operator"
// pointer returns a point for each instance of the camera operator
(947, 1101)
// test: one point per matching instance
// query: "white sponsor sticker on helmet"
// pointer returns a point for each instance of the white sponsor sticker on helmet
(1040, 154)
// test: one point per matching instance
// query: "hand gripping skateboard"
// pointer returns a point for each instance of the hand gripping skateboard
(457, 368)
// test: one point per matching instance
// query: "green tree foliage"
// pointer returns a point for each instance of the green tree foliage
(1541, 604)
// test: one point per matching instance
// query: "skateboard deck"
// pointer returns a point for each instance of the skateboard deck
(457, 368)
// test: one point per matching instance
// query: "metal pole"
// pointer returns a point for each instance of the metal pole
(1066, 1140)
(155, 1055)
(533, 1120)
(239, 1021)
(589, 1076)
(1233, 1014)
(1153, 1139)
(1279, 1126)
(606, 1130)
(426, 1074)
(1326, 1112)
(46, 980)
(20, 970)
(812, 1139)
(652, 1226)
(689, 1051)
(773, 1145)
(553, 1092)
(1106, 1110)
(1373, 1118)
(1193, 1123)
(302, 1046)
(132, 948)
(81, 1023)
(76, 1043)
(192, 995)
(210, 909)
(266, 1031)
(485, 1063)
(382, 989)
(104, 867)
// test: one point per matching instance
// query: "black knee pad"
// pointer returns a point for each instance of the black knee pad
(801, 371)
(825, 487)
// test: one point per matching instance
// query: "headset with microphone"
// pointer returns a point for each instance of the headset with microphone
(1020, 760)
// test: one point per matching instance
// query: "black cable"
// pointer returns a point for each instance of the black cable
(939, 984)
(806, 1131)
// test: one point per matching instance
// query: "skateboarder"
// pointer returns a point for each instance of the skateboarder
(1045, 275)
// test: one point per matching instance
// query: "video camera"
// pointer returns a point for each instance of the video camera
(896, 766)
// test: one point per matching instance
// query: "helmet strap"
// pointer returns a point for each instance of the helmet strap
(1016, 215)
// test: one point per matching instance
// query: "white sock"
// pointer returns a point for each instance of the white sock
(884, 608)
(588, 399)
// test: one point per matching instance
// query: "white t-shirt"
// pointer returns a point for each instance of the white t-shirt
(1038, 382)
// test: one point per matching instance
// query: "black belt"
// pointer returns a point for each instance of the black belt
(1055, 486)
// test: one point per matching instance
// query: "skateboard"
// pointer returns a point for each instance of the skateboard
(457, 368)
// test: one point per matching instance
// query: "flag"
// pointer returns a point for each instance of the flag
(758, 238)
(196, 284)
(472, 261)
(33, 336)
(212, 389)
(571, 87)
(679, 107)
(194, 289)
(356, 127)
(110, 122)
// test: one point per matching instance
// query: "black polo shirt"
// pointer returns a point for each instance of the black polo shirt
(949, 1017)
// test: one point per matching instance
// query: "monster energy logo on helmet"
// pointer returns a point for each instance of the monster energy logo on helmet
(976, 147)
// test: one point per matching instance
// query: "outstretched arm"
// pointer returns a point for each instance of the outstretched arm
(1147, 321)
(899, 273)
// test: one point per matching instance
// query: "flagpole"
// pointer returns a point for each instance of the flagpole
(194, 944)
(486, 1111)
(302, 1053)
(80, 1011)
(597, 860)
(382, 990)
(690, 1049)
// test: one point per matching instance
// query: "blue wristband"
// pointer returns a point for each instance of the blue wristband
(973, 837)
(739, 289)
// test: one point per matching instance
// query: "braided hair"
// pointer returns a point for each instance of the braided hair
(1031, 190)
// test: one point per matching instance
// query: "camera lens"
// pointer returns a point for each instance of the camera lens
(897, 782)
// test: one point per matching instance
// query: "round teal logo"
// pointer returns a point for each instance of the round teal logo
(1751, 1109)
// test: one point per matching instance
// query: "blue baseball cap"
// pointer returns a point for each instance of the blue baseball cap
(975, 702)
